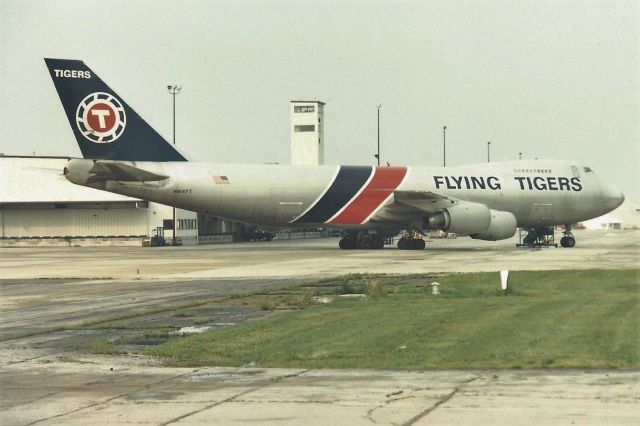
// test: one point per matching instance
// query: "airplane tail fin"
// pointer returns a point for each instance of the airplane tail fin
(104, 125)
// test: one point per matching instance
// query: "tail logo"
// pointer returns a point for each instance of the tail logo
(101, 118)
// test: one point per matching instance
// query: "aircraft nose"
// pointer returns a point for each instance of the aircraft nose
(613, 196)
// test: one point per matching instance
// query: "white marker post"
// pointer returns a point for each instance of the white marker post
(504, 279)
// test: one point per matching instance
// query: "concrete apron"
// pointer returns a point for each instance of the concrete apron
(68, 389)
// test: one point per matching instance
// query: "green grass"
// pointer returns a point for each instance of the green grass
(104, 348)
(554, 319)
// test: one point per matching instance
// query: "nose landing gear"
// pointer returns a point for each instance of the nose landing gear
(567, 241)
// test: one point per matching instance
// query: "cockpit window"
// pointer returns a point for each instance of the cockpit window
(588, 170)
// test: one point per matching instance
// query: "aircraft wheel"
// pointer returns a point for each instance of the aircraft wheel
(364, 244)
(402, 243)
(567, 242)
(418, 244)
(347, 244)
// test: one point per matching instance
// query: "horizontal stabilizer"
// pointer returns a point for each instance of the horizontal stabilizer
(107, 170)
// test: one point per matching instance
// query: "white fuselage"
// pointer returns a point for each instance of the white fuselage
(537, 193)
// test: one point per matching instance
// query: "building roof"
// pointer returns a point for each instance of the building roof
(309, 102)
(40, 180)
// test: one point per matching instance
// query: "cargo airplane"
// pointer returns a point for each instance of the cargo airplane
(125, 155)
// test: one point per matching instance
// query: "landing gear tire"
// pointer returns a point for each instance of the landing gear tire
(411, 243)
(567, 242)
(364, 243)
(347, 243)
(418, 244)
(403, 243)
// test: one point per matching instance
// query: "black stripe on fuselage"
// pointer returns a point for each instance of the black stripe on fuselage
(349, 181)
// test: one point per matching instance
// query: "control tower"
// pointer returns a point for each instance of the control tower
(307, 132)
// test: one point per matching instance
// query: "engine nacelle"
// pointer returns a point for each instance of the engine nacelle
(475, 220)
(464, 218)
(503, 225)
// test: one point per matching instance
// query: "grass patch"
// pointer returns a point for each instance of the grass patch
(183, 314)
(374, 289)
(104, 348)
(552, 319)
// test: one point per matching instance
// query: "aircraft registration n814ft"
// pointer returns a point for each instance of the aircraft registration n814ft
(125, 155)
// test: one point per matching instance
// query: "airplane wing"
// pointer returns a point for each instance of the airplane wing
(425, 201)
(429, 210)
(411, 206)
(112, 170)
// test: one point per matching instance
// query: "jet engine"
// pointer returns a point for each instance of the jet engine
(503, 225)
(475, 220)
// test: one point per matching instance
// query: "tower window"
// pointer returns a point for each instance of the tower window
(304, 108)
(305, 128)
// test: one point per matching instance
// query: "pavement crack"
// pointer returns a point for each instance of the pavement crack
(25, 360)
(269, 382)
(113, 398)
(441, 401)
(369, 415)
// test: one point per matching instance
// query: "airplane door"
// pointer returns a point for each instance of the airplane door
(575, 171)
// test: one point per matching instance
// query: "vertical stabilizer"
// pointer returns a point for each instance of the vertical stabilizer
(104, 125)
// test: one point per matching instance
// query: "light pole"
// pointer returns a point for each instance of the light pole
(444, 146)
(174, 90)
(378, 154)
(488, 152)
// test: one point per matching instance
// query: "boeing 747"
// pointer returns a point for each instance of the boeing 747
(125, 155)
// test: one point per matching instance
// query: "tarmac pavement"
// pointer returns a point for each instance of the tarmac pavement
(315, 258)
(134, 390)
(44, 381)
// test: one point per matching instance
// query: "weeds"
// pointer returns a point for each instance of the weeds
(375, 290)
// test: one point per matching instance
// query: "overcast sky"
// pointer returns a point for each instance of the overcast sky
(553, 79)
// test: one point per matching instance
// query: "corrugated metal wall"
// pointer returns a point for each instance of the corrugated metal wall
(70, 222)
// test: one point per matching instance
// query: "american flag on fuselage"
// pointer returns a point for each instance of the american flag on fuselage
(221, 180)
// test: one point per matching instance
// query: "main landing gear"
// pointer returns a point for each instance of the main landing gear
(365, 241)
(568, 240)
(361, 241)
(411, 241)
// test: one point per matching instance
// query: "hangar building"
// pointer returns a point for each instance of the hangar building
(39, 206)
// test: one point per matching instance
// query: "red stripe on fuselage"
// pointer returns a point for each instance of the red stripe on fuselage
(385, 180)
